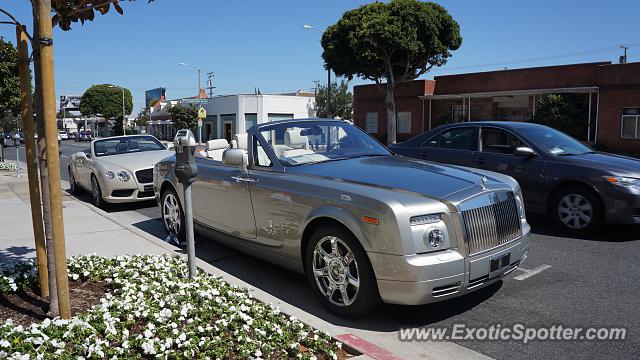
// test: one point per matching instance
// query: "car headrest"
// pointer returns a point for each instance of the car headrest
(217, 144)
(241, 140)
(292, 138)
(133, 145)
(234, 144)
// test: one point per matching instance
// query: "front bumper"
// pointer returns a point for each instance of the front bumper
(427, 278)
(127, 193)
(622, 206)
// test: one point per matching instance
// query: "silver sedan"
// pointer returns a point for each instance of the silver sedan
(324, 198)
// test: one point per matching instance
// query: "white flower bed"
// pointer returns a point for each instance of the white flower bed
(7, 166)
(154, 310)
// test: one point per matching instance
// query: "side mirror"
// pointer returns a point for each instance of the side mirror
(236, 157)
(524, 151)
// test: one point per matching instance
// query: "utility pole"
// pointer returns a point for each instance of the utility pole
(315, 87)
(329, 114)
(623, 58)
(45, 43)
(26, 110)
(210, 86)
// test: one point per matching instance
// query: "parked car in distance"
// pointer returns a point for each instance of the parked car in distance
(580, 188)
(73, 135)
(324, 198)
(117, 169)
(84, 136)
(63, 135)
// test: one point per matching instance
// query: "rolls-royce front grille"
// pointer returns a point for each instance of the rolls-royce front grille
(144, 176)
(492, 225)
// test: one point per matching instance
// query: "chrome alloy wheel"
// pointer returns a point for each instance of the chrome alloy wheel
(336, 271)
(171, 213)
(575, 211)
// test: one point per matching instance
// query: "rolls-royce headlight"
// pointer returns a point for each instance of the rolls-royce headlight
(110, 175)
(520, 203)
(123, 176)
(435, 238)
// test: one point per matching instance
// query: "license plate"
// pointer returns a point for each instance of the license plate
(499, 265)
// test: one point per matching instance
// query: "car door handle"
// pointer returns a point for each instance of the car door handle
(244, 179)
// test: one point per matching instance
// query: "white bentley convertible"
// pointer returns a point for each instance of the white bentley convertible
(117, 169)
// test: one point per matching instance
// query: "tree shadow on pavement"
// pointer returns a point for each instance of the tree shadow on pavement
(542, 225)
(14, 254)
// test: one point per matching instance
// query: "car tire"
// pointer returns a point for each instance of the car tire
(172, 214)
(73, 187)
(96, 193)
(577, 210)
(342, 279)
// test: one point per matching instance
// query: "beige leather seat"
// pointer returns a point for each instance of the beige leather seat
(239, 141)
(299, 144)
(215, 148)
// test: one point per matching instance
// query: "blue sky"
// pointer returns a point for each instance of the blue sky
(250, 44)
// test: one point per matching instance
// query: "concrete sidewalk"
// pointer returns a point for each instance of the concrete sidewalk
(90, 230)
(85, 230)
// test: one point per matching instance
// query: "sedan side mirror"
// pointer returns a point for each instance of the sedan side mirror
(524, 151)
(236, 157)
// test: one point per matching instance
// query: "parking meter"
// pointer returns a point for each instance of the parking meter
(185, 146)
(186, 170)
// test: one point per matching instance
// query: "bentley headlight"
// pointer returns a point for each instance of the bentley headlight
(110, 175)
(628, 182)
(123, 176)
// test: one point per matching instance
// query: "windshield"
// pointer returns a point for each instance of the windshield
(299, 143)
(124, 145)
(555, 142)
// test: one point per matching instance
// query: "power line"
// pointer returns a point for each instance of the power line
(542, 58)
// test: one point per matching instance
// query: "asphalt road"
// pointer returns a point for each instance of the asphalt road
(576, 282)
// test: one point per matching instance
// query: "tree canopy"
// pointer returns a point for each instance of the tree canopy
(9, 79)
(106, 100)
(390, 43)
(66, 12)
(184, 117)
(341, 100)
(565, 112)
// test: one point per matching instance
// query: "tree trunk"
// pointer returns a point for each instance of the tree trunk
(390, 100)
(44, 174)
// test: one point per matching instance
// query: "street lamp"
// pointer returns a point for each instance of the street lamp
(124, 132)
(329, 115)
(195, 68)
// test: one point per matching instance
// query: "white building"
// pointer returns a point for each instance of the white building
(231, 114)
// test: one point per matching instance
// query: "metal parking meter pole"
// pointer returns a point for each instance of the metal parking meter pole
(186, 170)
(17, 158)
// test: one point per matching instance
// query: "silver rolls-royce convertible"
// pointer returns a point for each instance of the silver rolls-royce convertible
(324, 198)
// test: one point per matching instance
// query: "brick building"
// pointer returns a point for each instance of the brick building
(609, 95)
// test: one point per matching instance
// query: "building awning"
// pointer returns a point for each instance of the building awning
(572, 90)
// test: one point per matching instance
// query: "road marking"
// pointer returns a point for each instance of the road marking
(529, 273)
(65, 156)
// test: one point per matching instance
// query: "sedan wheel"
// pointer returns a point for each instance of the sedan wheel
(577, 210)
(339, 271)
